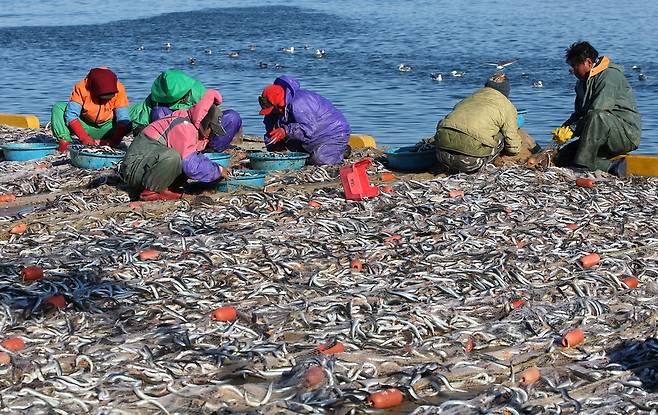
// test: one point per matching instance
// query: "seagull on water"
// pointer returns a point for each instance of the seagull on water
(252, 47)
(208, 51)
(525, 75)
(503, 64)
(263, 65)
(437, 76)
(642, 77)
(457, 74)
(291, 49)
(234, 54)
(636, 68)
(538, 84)
(167, 45)
(404, 68)
(140, 48)
(192, 60)
(278, 66)
(320, 53)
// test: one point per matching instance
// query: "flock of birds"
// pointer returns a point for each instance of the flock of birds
(234, 54)
(321, 53)
(500, 66)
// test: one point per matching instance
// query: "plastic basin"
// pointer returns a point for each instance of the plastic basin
(265, 161)
(27, 151)
(222, 159)
(406, 159)
(94, 161)
(520, 120)
(252, 180)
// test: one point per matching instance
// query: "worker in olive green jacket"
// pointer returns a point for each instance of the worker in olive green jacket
(478, 129)
(605, 119)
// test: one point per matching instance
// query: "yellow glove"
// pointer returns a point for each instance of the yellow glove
(562, 134)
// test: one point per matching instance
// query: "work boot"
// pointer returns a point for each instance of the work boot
(618, 167)
(151, 196)
(348, 152)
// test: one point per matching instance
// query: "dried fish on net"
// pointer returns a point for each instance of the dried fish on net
(429, 312)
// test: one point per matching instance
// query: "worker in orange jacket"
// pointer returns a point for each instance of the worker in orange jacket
(97, 112)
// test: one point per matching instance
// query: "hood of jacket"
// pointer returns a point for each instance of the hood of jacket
(171, 85)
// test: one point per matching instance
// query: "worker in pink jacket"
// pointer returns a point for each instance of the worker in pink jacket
(171, 148)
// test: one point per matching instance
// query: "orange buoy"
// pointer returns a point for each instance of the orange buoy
(456, 193)
(393, 238)
(469, 346)
(518, 303)
(589, 261)
(329, 349)
(13, 344)
(631, 281)
(573, 338)
(56, 301)
(387, 177)
(313, 376)
(530, 376)
(385, 399)
(315, 204)
(226, 313)
(18, 229)
(148, 254)
(356, 265)
(584, 182)
(7, 197)
(32, 273)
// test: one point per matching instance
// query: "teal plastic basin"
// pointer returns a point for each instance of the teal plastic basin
(27, 151)
(265, 161)
(94, 161)
(405, 159)
(222, 159)
(252, 180)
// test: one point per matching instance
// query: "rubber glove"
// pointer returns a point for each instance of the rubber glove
(562, 134)
(276, 135)
(79, 130)
(63, 145)
(119, 132)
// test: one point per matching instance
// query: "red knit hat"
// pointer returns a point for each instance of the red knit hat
(272, 96)
(102, 81)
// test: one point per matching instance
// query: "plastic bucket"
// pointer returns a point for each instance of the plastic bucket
(222, 159)
(252, 180)
(94, 161)
(278, 161)
(520, 120)
(406, 159)
(27, 151)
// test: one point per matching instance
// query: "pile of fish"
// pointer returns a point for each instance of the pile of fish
(454, 292)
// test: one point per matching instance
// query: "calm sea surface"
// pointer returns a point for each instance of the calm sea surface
(47, 46)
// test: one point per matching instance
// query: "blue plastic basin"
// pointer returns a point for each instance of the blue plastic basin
(278, 161)
(520, 120)
(255, 180)
(222, 159)
(27, 151)
(405, 159)
(94, 161)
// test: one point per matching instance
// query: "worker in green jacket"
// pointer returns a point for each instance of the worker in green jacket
(174, 90)
(605, 118)
(478, 129)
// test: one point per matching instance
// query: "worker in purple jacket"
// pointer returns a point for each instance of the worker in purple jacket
(301, 120)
